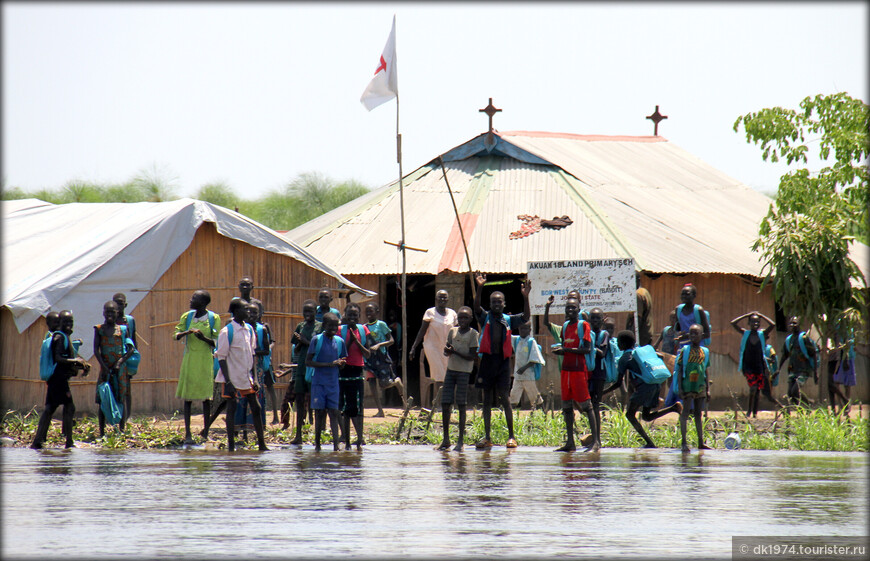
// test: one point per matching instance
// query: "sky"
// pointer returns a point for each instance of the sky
(252, 95)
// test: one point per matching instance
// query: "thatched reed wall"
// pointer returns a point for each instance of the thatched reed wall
(211, 262)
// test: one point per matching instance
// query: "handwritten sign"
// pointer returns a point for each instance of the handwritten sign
(601, 283)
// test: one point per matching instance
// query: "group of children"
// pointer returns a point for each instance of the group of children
(336, 355)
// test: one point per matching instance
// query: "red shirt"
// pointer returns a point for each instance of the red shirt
(354, 354)
(570, 361)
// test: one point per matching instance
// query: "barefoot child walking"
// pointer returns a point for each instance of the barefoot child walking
(111, 353)
(300, 386)
(326, 354)
(379, 371)
(461, 353)
(576, 342)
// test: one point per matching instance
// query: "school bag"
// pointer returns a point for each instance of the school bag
(706, 341)
(230, 329)
(112, 410)
(802, 339)
(772, 364)
(610, 361)
(133, 360)
(683, 359)
(652, 368)
(538, 367)
(318, 344)
(46, 357)
(590, 356)
(266, 360)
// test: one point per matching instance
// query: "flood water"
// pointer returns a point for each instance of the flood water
(411, 501)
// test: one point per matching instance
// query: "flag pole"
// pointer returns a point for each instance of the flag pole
(404, 262)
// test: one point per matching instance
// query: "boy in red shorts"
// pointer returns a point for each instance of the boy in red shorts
(576, 344)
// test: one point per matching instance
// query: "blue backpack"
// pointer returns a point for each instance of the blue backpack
(652, 368)
(590, 356)
(611, 359)
(706, 341)
(802, 339)
(538, 367)
(230, 330)
(132, 362)
(265, 360)
(46, 357)
(318, 344)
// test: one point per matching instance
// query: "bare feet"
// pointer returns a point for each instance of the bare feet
(317, 448)
(592, 447)
(296, 441)
(378, 414)
(485, 444)
(650, 445)
(566, 448)
(703, 446)
(458, 447)
(445, 445)
(264, 448)
(204, 433)
(685, 448)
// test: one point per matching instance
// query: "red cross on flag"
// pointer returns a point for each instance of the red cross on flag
(384, 85)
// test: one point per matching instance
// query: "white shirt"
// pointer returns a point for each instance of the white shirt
(239, 355)
(523, 356)
(435, 339)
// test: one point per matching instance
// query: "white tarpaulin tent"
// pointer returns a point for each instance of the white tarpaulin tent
(72, 256)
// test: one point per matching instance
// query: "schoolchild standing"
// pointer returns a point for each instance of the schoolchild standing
(199, 327)
(326, 354)
(67, 365)
(235, 354)
(324, 298)
(576, 342)
(527, 360)
(494, 376)
(597, 366)
(693, 380)
(351, 381)
(129, 322)
(381, 338)
(461, 352)
(802, 351)
(753, 363)
(112, 353)
(263, 358)
(300, 386)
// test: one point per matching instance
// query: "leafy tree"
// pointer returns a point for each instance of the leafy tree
(77, 191)
(306, 197)
(218, 193)
(157, 184)
(805, 237)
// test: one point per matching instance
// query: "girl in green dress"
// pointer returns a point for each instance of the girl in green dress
(199, 327)
(692, 371)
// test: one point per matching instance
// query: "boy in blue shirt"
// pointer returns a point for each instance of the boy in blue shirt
(326, 361)
(324, 297)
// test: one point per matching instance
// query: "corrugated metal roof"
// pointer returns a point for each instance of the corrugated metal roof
(638, 197)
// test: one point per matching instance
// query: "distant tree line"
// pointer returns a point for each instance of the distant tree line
(306, 197)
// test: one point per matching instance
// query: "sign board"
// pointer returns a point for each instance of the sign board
(602, 283)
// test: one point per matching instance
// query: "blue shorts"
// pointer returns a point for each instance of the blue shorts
(324, 392)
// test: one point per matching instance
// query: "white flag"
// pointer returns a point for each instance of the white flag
(385, 85)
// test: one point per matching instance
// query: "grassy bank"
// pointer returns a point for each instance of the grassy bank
(804, 429)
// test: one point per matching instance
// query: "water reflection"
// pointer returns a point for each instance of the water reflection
(399, 502)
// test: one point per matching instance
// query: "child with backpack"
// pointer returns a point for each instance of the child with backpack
(351, 381)
(379, 371)
(753, 358)
(263, 357)
(324, 298)
(597, 361)
(461, 352)
(644, 372)
(666, 337)
(687, 314)
(299, 389)
(244, 416)
(691, 371)
(235, 354)
(326, 354)
(112, 352)
(576, 342)
(528, 362)
(802, 351)
(62, 363)
(199, 327)
(495, 350)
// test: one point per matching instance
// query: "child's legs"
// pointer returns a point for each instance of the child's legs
(516, 394)
(188, 405)
(231, 422)
(319, 421)
(504, 397)
(699, 428)
(254, 404)
(631, 415)
(568, 415)
(101, 420)
(488, 396)
(333, 426)
(587, 407)
(300, 415)
(684, 416)
(596, 388)
(376, 393)
(44, 424)
(69, 410)
(531, 390)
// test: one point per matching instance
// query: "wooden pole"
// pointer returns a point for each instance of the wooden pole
(404, 360)
(461, 232)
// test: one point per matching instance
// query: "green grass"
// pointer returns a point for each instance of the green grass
(804, 429)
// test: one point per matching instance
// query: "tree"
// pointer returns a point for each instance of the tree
(805, 237)
(218, 193)
(157, 184)
(306, 197)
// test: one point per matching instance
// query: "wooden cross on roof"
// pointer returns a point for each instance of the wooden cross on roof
(656, 118)
(490, 110)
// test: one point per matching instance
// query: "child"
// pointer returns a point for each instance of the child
(235, 356)
(380, 361)
(527, 354)
(802, 351)
(643, 395)
(324, 297)
(67, 365)
(494, 376)
(300, 386)
(841, 371)
(666, 338)
(576, 342)
(52, 322)
(351, 382)
(693, 379)
(244, 418)
(687, 314)
(196, 378)
(596, 360)
(263, 335)
(246, 286)
(752, 362)
(437, 322)
(129, 322)
(325, 362)
(109, 348)
(461, 352)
